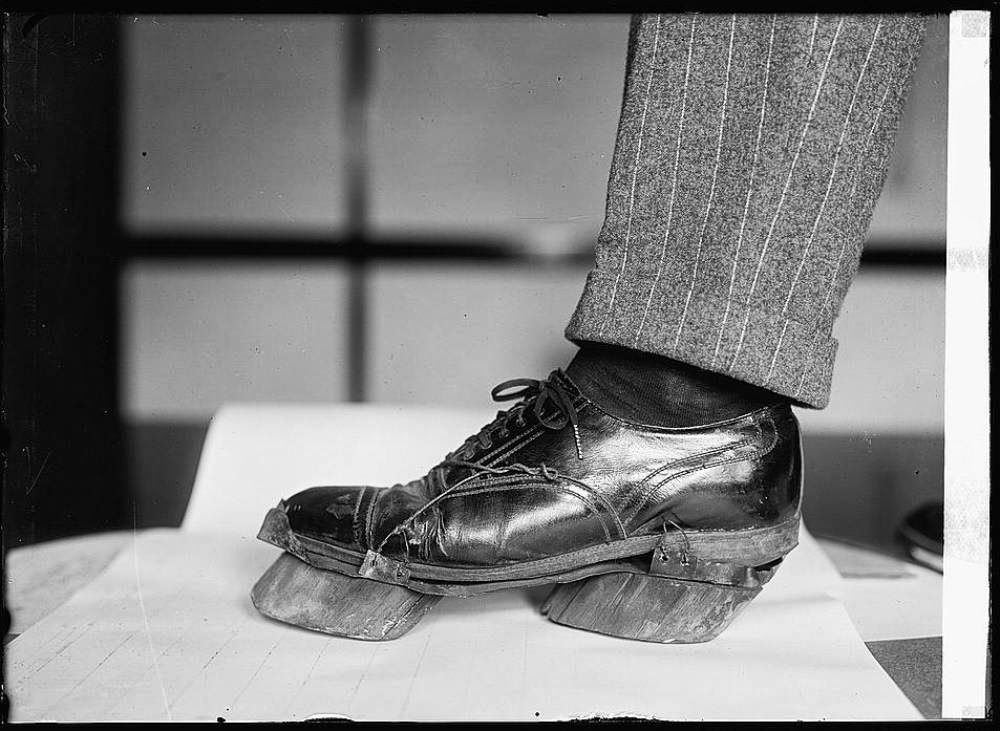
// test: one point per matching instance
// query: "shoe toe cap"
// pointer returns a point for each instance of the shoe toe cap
(331, 514)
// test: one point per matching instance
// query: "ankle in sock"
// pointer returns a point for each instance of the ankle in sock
(658, 391)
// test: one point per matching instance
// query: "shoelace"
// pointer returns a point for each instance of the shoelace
(536, 395)
(534, 392)
(480, 469)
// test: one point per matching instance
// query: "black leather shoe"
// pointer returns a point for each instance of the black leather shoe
(557, 490)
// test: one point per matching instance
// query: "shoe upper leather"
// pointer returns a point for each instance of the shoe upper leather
(556, 473)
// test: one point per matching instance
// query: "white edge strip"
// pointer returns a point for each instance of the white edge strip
(966, 463)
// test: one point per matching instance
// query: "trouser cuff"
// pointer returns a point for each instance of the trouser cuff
(757, 344)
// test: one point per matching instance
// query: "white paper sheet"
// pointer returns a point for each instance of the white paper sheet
(895, 609)
(255, 454)
(168, 630)
(901, 603)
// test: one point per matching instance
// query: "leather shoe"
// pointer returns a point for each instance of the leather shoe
(556, 488)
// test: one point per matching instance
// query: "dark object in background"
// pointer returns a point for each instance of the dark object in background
(922, 535)
(62, 467)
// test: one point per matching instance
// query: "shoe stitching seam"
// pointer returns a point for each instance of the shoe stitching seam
(513, 480)
(500, 447)
(607, 506)
(639, 498)
(545, 486)
(519, 479)
(640, 490)
(752, 416)
(695, 458)
(355, 523)
(512, 447)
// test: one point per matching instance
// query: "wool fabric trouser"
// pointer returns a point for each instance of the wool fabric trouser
(751, 150)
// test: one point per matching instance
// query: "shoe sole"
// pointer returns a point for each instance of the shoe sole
(749, 547)
(672, 588)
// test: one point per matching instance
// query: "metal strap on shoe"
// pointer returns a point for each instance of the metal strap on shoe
(668, 562)
(385, 569)
(692, 568)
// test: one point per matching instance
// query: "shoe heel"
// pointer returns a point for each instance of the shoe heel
(652, 608)
(292, 591)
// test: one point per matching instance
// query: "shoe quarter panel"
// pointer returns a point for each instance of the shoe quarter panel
(753, 481)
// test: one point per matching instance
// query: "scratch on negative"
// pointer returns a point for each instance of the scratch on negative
(256, 672)
(364, 674)
(39, 473)
(195, 676)
(416, 669)
(312, 669)
(145, 618)
(215, 654)
(93, 670)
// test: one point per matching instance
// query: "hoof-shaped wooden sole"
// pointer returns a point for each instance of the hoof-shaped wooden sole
(292, 591)
(651, 608)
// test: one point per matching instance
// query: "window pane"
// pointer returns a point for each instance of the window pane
(233, 122)
(197, 335)
(502, 125)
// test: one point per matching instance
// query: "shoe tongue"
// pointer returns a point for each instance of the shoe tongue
(567, 384)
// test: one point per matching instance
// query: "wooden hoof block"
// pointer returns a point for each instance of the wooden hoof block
(292, 591)
(648, 608)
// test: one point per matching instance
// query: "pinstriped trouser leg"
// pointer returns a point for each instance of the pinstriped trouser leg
(750, 153)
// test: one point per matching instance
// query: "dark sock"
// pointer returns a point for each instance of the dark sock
(652, 389)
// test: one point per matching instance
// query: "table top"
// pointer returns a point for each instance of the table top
(895, 606)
